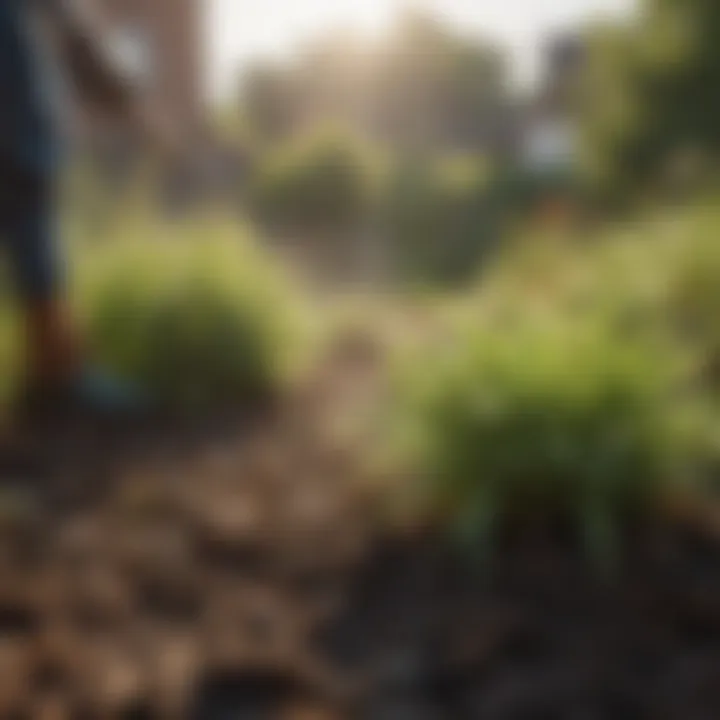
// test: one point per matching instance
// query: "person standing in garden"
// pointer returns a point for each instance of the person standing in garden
(57, 373)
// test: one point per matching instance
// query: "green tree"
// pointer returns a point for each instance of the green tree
(653, 96)
(424, 85)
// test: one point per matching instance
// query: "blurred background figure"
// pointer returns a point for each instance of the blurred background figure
(31, 156)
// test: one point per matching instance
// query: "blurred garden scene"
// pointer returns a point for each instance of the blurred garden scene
(427, 301)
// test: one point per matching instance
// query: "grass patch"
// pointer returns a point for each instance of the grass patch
(569, 390)
(561, 421)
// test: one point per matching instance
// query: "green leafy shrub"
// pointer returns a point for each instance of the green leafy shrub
(440, 220)
(321, 183)
(657, 278)
(198, 319)
(558, 419)
(694, 268)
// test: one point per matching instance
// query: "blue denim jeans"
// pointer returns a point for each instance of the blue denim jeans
(28, 230)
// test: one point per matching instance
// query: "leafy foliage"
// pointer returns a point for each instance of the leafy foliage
(652, 106)
(423, 85)
(551, 420)
(198, 322)
(319, 183)
(573, 387)
(441, 220)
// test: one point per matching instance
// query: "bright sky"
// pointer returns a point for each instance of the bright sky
(243, 29)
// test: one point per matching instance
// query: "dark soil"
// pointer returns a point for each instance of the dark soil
(237, 570)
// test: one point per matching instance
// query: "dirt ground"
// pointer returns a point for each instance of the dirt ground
(239, 570)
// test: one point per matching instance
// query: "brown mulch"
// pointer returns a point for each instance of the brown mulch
(239, 570)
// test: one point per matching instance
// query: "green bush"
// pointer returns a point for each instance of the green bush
(197, 319)
(321, 183)
(440, 220)
(556, 419)
(657, 278)
(693, 290)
